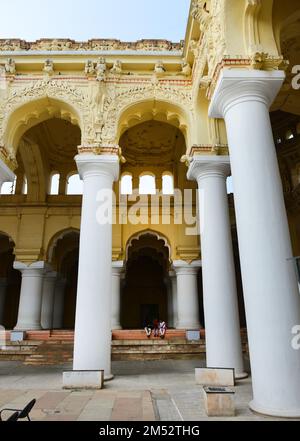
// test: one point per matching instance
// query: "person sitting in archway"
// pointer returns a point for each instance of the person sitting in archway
(148, 328)
(162, 329)
(156, 327)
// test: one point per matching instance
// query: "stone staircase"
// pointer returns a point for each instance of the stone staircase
(47, 348)
(41, 348)
(174, 349)
(51, 353)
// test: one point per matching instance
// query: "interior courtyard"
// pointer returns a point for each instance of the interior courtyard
(191, 153)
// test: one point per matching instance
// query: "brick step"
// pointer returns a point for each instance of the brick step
(46, 348)
(140, 334)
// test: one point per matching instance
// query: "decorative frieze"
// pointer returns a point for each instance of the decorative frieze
(210, 149)
(10, 45)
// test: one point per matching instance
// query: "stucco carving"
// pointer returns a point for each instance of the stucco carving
(91, 45)
(115, 104)
(55, 89)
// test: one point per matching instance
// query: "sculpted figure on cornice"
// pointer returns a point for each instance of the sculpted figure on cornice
(101, 69)
(48, 67)
(186, 68)
(89, 68)
(10, 67)
(117, 67)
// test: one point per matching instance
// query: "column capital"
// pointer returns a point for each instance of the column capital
(117, 267)
(97, 165)
(182, 267)
(238, 85)
(209, 166)
(34, 269)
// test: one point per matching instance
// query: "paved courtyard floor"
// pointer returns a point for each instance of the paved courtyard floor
(141, 391)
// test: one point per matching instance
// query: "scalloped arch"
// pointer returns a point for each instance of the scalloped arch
(143, 103)
(37, 103)
(148, 232)
(56, 238)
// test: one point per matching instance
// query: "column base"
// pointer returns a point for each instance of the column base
(83, 380)
(281, 413)
(108, 377)
(241, 376)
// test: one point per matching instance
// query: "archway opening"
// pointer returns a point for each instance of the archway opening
(144, 293)
(64, 255)
(10, 283)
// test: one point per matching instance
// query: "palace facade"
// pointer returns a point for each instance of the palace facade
(154, 129)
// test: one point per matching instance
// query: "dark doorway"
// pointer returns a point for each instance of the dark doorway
(149, 313)
(144, 295)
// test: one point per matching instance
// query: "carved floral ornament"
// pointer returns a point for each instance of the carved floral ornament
(10, 45)
(53, 89)
(115, 106)
(99, 122)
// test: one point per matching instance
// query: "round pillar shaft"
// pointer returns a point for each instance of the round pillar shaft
(222, 324)
(173, 278)
(117, 269)
(29, 315)
(59, 303)
(48, 300)
(187, 295)
(271, 293)
(92, 346)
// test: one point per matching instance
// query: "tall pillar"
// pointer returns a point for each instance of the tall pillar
(59, 303)
(173, 279)
(6, 175)
(92, 345)
(187, 294)
(168, 285)
(271, 294)
(3, 287)
(29, 315)
(222, 323)
(48, 300)
(117, 270)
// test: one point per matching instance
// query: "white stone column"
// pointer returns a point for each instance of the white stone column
(48, 299)
(222, 323)
(271, 294)
(6, 175)
(173, 279)
(3, 288)
(187, 294)
(59, 303)
(29, 315)
(117, 271)
(92, 346)
(170, 319)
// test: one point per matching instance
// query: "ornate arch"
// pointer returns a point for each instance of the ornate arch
(179, 101)
(56, 238)
(9, 240)
(148, 232)
(40, 101)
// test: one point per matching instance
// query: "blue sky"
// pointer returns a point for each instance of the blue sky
(126, 20)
